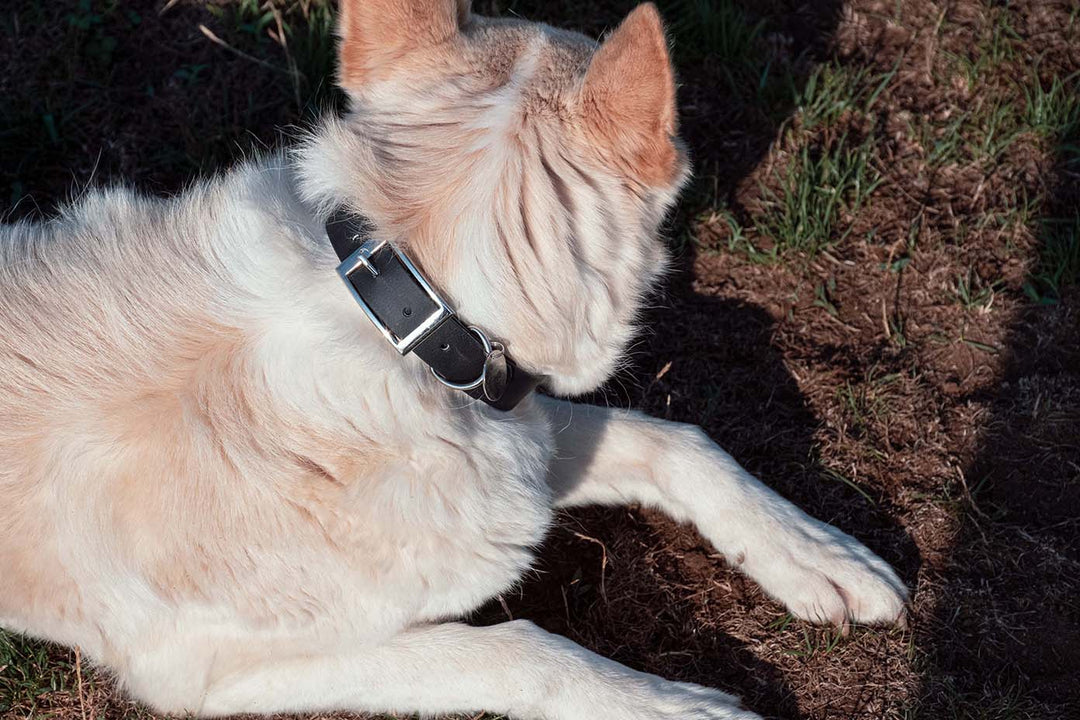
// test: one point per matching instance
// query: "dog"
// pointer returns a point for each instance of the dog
(264, 442)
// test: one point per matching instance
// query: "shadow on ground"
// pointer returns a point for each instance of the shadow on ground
(1010, 587)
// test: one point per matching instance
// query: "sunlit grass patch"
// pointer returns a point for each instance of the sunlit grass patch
(808, 203)
(832, 91)
(28, 670)
(822, 172)
(819, 191)
(1053, 109)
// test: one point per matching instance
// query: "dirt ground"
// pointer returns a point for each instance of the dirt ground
(874, 309)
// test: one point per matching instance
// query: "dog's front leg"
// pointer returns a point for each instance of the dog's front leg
(514, 668)
(609, 456)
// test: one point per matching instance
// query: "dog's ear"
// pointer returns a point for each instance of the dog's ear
(375, 34)
(628, 98)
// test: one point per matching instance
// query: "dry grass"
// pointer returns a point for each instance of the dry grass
(877, 313)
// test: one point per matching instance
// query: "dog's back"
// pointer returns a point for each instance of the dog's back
(101, 308)
(169, 450)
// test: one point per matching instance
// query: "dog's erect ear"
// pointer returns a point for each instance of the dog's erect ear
(377, 33)
(629, 97)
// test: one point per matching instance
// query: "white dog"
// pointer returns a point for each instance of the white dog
(226, 485)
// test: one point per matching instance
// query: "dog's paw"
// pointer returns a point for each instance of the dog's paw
(826, 576)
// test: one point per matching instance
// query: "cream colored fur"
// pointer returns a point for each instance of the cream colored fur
(220, 483)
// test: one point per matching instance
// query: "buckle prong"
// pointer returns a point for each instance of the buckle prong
(364, 258)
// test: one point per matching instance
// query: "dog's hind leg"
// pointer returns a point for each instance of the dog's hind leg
(606, 457)
(514, 668)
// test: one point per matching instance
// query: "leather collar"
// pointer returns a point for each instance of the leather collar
(412, 316)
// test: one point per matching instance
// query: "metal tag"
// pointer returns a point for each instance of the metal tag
(496, 375)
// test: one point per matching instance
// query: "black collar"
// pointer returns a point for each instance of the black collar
(409, 313)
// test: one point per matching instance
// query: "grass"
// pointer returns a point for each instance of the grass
(304, 32)
(827, 179)
(820, 642)
(280, 52)
(974, 293)
(997, 45)
(819, 191)
(1008, 703)
(833, 91)
(1058, 266)
(808, 203)
(1052, 111)
(28, 670)
(978, 136)
(717, 31)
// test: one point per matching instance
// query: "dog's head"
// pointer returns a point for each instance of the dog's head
(529, 168)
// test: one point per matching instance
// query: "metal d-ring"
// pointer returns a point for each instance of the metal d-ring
(466, 387)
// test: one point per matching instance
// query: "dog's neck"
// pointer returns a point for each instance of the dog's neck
(343, 164)
(412, 316)
(465, 202)
(341, 174)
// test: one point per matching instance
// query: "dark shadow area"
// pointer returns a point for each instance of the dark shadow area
(148, 93)
(1007, 633)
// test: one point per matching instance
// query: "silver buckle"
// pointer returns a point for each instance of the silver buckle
(361, 257)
